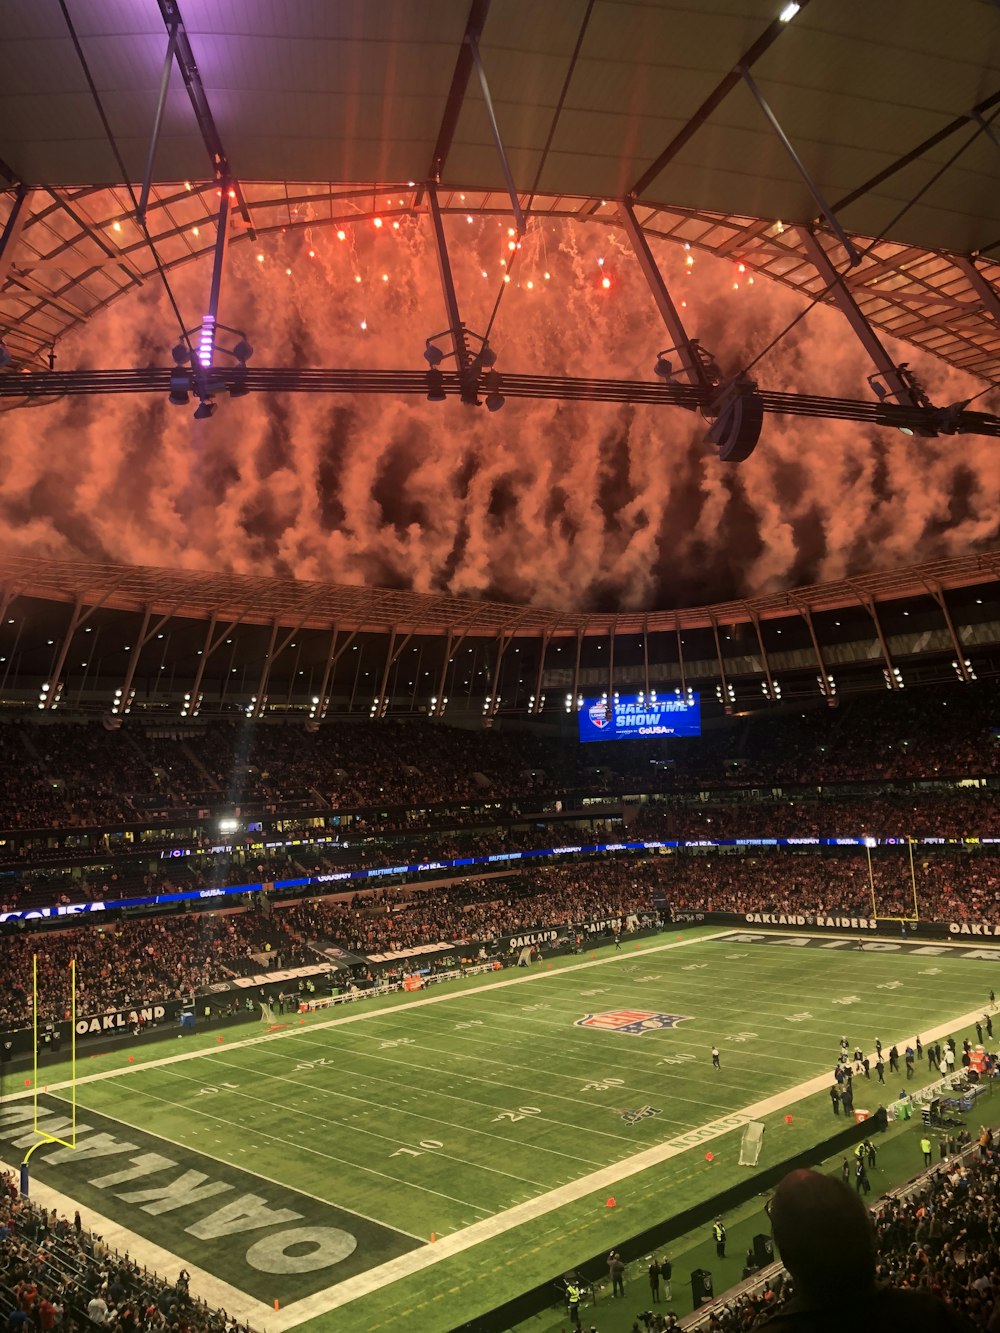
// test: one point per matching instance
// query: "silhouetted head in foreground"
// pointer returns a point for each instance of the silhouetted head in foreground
(824, 1234)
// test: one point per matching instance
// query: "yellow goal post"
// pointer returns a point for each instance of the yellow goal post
(46, 1136)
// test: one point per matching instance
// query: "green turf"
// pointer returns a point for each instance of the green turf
(429, 1118)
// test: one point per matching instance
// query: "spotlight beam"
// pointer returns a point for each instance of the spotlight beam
(25, 388)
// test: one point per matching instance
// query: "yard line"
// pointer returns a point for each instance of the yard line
(355, 1129)
(471, 1101)
(458, 1242)
(302, 1147)
(399, 1110)
(595, 1060)
(370, 1015)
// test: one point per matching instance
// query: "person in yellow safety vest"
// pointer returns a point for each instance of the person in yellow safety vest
(925, 1148)
(719, 1235)
(573, 1295)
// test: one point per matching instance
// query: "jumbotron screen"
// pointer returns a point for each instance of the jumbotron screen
(632, 715)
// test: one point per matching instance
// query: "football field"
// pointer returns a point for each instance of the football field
(416, 1160)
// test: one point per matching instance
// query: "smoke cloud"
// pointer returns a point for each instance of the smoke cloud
(569, 505)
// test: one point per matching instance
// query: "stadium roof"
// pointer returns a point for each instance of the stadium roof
(301, 605)
(326, 112)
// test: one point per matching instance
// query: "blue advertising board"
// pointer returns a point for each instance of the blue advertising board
(631, 715)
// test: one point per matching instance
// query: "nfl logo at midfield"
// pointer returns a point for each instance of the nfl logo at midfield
(632, 1022)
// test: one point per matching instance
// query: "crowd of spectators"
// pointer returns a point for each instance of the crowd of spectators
(66, 774)
(133, 960)
(941, 1239)
(58, 1277)
(479, 912)
(140, 961)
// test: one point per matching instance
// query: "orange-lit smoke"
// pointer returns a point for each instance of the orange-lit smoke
(569, 505)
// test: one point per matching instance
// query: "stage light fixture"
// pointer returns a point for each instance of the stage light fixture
(789, 11)
(180, 382)
(492, 383)
(663, 368)
(6, 356)
(181, 354)
(433, 354)
(243, 351)
(435, 386)
(204, 410)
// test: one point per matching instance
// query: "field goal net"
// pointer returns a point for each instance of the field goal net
(751, 1143)
(267, 1016)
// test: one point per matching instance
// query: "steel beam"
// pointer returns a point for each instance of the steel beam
(212, 642)
(715, 99)
(800, 167)
(205, 352)
(12, 230)
(937, 592)
(540, 674)
(455, 641)
(455, 326)
(221, 166)
(869, 605)
(576, 668)
(391, 656)
(154, 138)
(504, 640)
(257, 706)
(981, 285)
(690, 362)
(680, 654)
(863, 331)
(763, 651)
(484, 86)
(727, 703)
(806, 615)
(915, 154)
(645, 658)
(456, 93)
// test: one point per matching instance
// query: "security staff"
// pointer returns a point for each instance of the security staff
(719, 1235)
(573, 1295)
(925, 1148)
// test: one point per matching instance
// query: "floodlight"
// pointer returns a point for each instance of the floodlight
(243, 351)
(487, 357)
(181, 354)
(433, 354)
(435, 386)
(663, 368)
(789, 11)
(204, 410)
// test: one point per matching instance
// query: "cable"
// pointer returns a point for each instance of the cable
(824, 292)
(161, 270)
(560, 102)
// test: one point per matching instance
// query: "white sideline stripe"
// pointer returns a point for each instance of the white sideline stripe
(363, 1284)
(449, 1246)
(367, 1016)
(220, 1295)
(214, 1290)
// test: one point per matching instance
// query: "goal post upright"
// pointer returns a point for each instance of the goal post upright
(913, 882)
(47, 1137)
